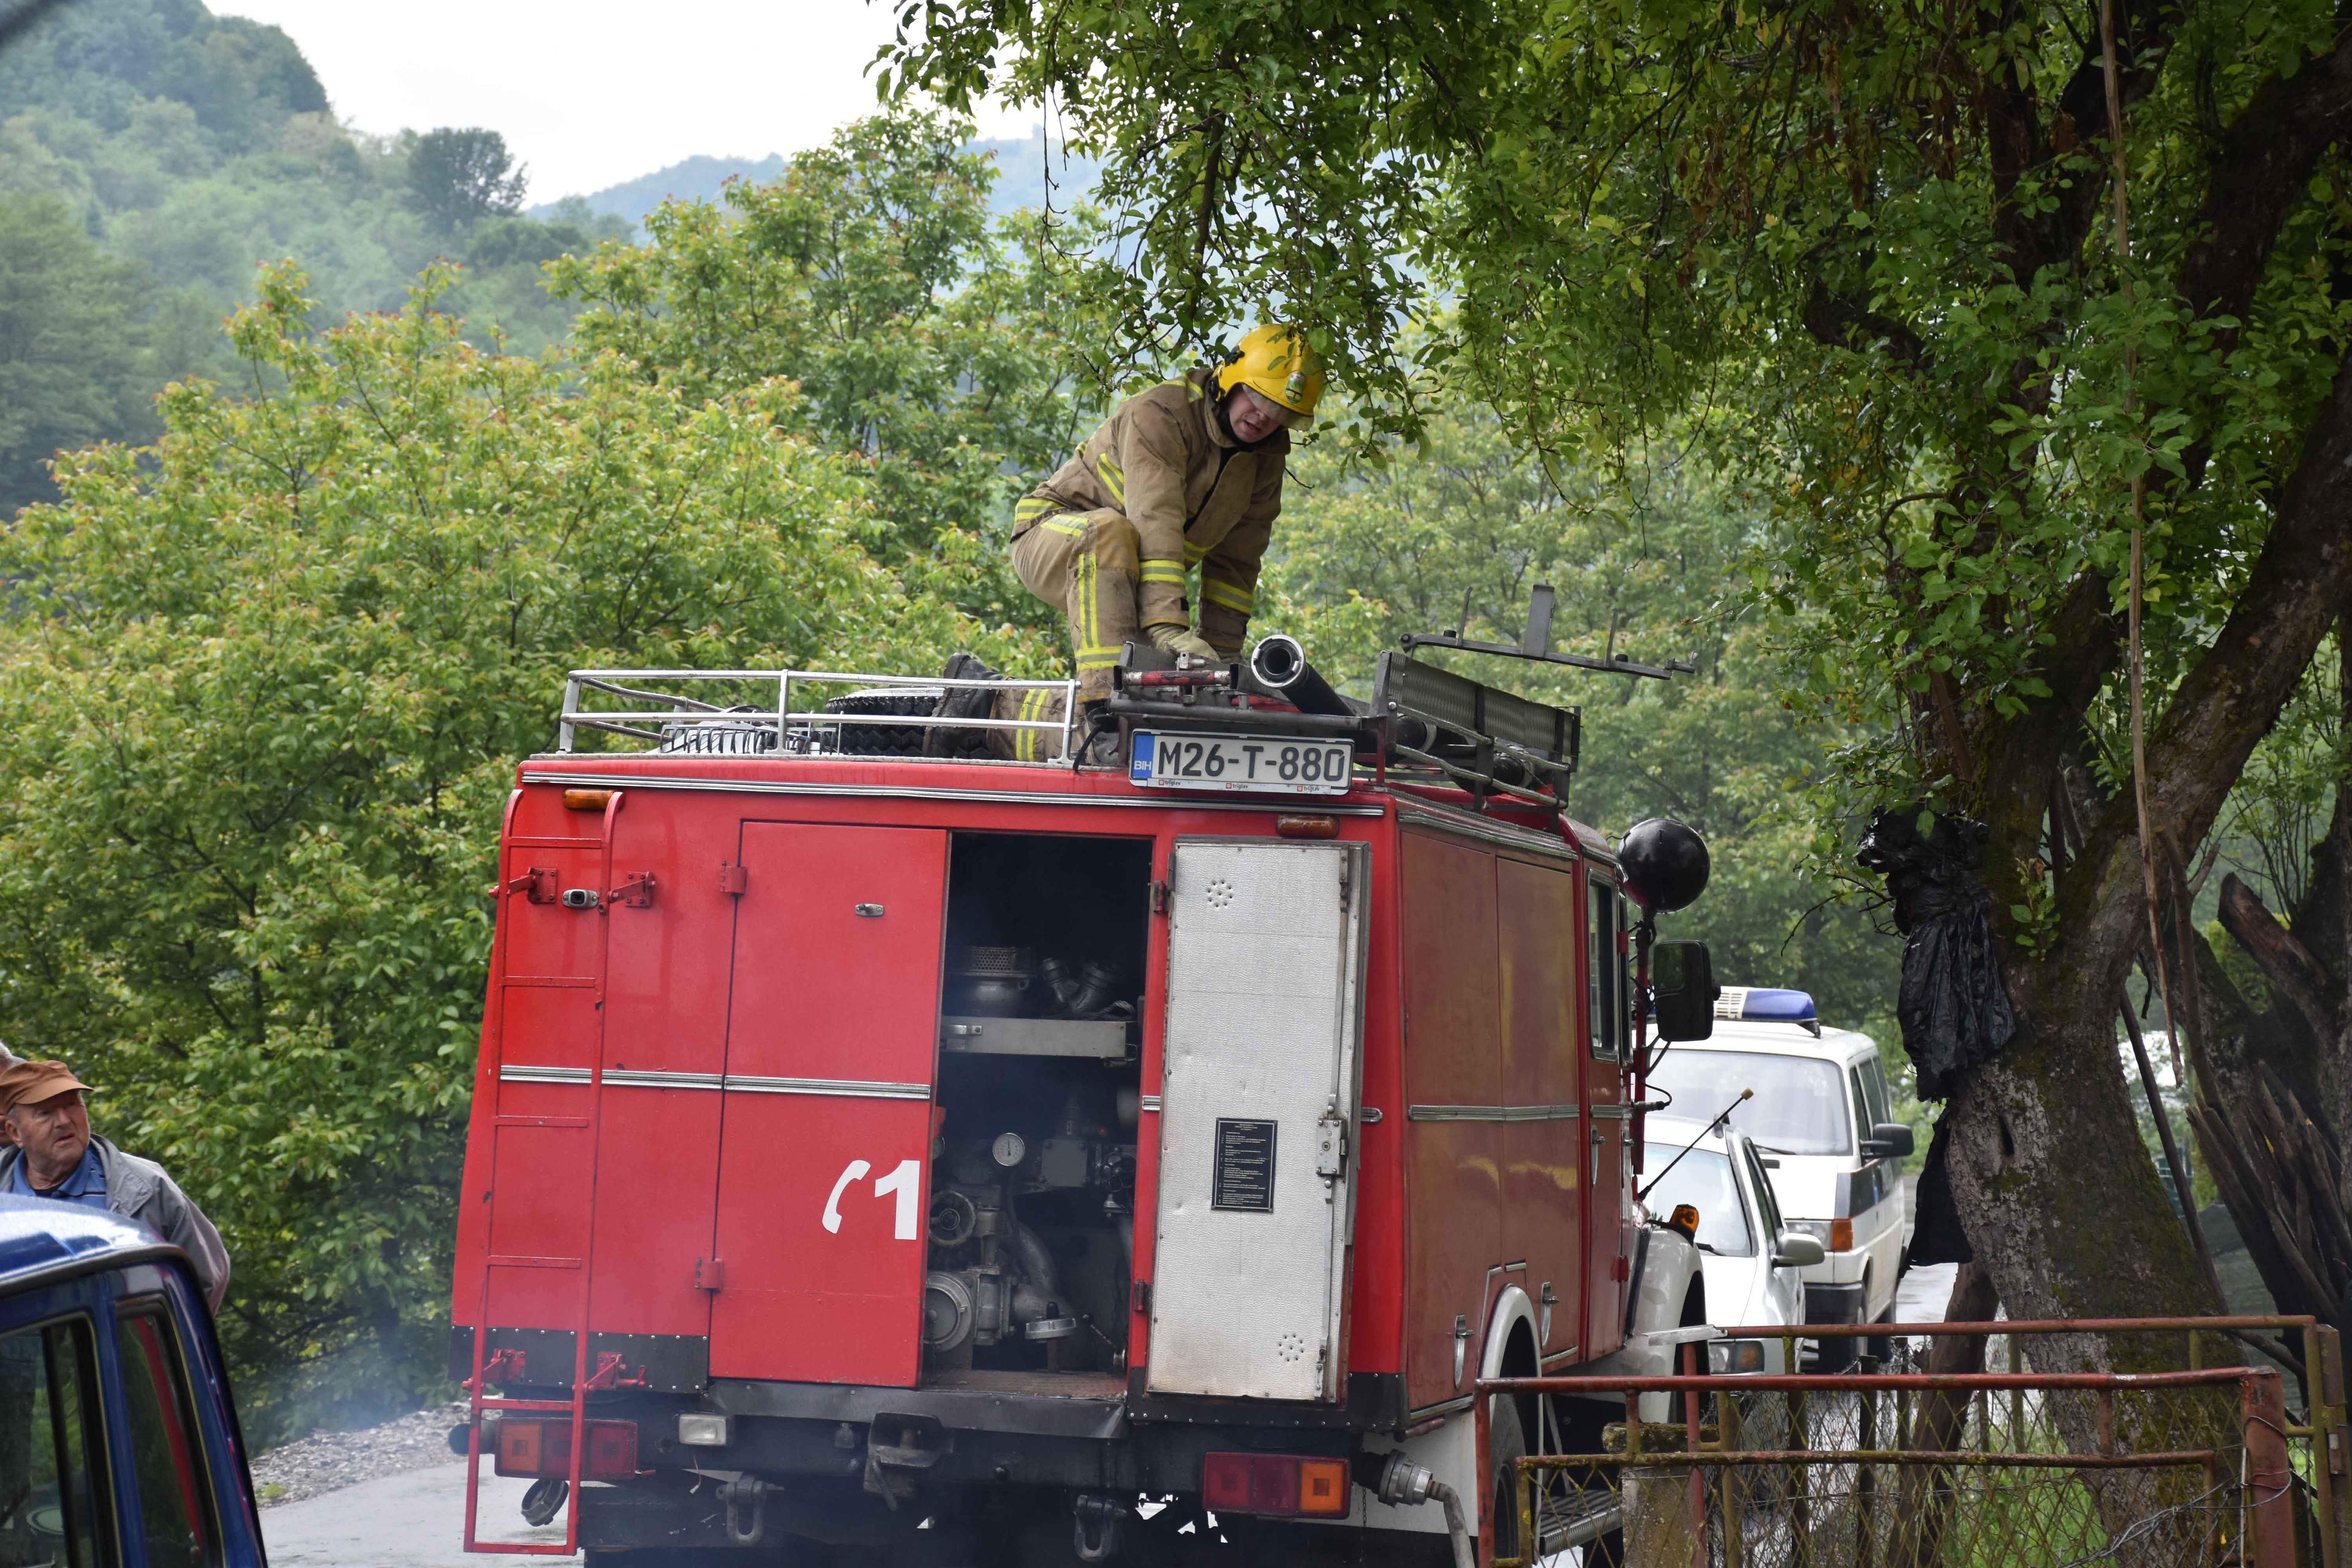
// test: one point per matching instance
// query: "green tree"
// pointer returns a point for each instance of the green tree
(269, 683)
(933, 340)
(1874, 242)
(457, 176)
(1455, 531)
(72, 358)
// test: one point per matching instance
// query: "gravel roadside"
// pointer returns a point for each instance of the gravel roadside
(329, 1461)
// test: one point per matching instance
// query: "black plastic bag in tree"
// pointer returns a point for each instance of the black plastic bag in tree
(1954, 1007)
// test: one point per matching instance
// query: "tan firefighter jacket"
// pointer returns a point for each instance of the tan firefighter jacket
(1195, 496)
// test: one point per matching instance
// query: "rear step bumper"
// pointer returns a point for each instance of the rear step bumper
(1099, 1413)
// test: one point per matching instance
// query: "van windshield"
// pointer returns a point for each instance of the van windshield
(1702, 1180)
(1800, 1105)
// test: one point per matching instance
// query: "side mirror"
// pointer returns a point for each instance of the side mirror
(1890, 1140)
(1795, 1249)
(1681, 982)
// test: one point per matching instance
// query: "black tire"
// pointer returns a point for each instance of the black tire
(1836, 1353)
(1882, 1346)
(886, 739)
(1506, 1444)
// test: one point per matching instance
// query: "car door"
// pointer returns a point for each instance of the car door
(1784, 1288)
(1875, 1192)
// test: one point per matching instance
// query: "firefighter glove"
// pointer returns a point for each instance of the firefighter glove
(1184, 640)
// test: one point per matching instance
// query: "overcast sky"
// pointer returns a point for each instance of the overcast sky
(592, 93)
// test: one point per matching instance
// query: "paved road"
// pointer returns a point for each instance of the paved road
(1923, 1293)
(417, 1520)
(412, 1521)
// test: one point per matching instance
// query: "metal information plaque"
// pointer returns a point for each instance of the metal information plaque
(1244, 1174)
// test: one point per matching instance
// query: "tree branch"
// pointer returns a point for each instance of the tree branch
(1841, 323)
(2232, 695)
(2285, 962)
(2263, 167)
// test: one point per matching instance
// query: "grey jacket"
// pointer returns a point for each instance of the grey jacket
(141, 1190)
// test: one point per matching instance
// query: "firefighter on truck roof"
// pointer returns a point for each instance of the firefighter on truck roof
(1187, 474)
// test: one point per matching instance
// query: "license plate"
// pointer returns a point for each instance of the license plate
(1257, 763)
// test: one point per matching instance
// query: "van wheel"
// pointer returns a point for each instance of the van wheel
(1882, 1346)
(1506, 1444)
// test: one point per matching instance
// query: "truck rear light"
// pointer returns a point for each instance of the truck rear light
(531, 1449)
(1284, 1485)
(703, 1429)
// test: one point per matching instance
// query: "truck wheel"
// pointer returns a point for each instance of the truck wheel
(1506, 1444)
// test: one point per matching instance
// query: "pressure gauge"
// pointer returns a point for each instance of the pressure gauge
(1009, 1149)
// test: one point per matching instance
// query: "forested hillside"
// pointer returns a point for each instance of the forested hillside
(153, 154)
(1028, 174)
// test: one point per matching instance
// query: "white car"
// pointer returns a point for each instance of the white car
(1821, 1112)
(1750, 1258)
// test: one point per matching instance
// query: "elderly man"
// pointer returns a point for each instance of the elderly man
(57, 1158)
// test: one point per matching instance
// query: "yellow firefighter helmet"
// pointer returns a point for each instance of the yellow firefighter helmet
(1275, 362)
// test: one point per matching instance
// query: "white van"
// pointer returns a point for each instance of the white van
(1822, 1113)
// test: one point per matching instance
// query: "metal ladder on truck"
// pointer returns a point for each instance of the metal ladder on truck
(486, 1366)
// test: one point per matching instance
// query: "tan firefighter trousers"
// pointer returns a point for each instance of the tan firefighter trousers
(1084, 565)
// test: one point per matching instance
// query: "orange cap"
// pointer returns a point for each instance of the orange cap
(32, 1082)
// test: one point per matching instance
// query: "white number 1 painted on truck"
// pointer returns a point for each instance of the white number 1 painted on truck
(906, 1181)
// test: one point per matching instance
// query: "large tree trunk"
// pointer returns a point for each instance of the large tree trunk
(2060, 1198)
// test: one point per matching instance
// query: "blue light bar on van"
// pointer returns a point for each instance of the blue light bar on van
(1767, 1005)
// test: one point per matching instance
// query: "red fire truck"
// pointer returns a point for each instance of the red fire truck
(885, 1153)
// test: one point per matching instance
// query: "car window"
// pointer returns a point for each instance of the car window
(1702, 1180)
(174, 1498)
(49, 1485)
(1768, 1202)
(1604, 973)
(1874, 1078)
(1799, 1106)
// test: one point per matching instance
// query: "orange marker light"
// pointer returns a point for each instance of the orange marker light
(1684, 1219)
(1307, 827)
(1841, 1235)
(586, 799)
(1323, 1485)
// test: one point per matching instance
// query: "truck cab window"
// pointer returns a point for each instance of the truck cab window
(1604, 975)
(174, 1498)
(48, 1484)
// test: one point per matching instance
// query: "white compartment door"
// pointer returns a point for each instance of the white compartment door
(1257, 1123)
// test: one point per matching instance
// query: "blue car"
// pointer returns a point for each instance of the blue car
(119, 1444)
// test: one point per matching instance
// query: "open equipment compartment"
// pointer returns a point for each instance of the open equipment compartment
(1030, 1233)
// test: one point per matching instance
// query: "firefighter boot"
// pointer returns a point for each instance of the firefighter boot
(961, 702)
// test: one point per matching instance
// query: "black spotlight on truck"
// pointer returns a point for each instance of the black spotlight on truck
(1665, 864)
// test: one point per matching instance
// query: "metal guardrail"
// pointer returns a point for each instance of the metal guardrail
(2197, 1467)
(663, 717)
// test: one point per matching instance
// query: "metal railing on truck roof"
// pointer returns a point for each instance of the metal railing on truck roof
(887, 714)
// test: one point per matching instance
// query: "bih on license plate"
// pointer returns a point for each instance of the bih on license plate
(1258, 762)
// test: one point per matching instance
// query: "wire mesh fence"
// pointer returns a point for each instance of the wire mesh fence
(1904, 1468)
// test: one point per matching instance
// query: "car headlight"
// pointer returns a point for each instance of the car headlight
(1735, 1355)
(1834, 1234)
